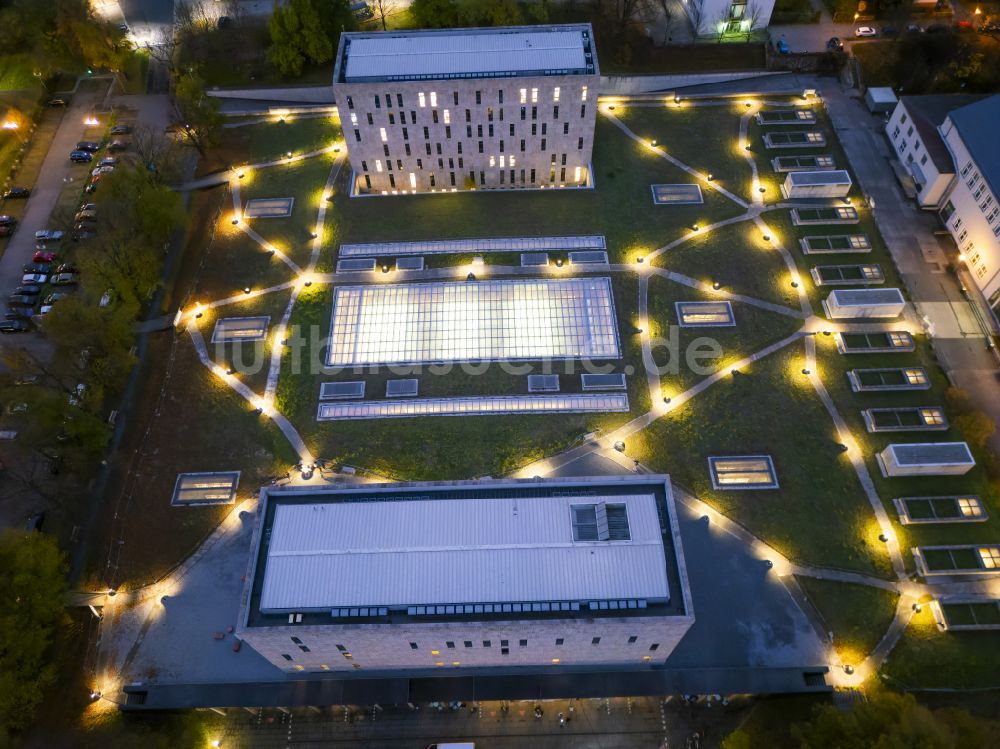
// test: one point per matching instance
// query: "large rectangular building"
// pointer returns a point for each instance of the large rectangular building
(477, 574)
(452, 109)
(951, 151)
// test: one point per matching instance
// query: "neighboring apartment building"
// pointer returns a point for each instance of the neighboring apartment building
(949, 145)
(452, 109)
(538, 574)
(726, 17)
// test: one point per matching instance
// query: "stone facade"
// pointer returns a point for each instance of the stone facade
(406, 137)
(388, 646)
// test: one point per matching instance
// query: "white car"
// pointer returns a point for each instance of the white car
(48, 235)
(863, 31)
(45, 309)
(102, 170)
(34, 278)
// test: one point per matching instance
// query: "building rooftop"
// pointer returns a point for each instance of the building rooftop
(977, 124)
(829, 177)
(932, 453)
(864, 297)
(508, 549)
(928, 113)
(432, 54)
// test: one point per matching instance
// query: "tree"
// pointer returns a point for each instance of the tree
(891, 720)
(976, 427)
(197, 112)
(297, 36)
(738, 739)
(667, 8)
(624, 13)
(384, 8)
(32, 586)
(434, 14)
(538, 11)
(751, 18)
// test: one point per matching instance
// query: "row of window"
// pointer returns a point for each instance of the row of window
(424, 97)
(578, 173)
(450, 644)
(436, 119)
(451, 162)
(543, 146)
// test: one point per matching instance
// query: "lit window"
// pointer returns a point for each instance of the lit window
(524, 96)
(647, 657)
(435, 652)
(421, 100)
(915, 376)
(990, 556)
(583, 94)
(434, 99)
(576, 175)
(413, 180)
(501, 162)
(534, 96)
(456, 663)
(447, 117)
(354, 118)
(512, 160)
(555, 94)
(492, 161)
(969, 507)
(381, 132)
(378, 165)
(555, 660)
(932, 416)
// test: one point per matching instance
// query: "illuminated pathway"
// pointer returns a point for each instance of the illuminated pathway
(660, 407)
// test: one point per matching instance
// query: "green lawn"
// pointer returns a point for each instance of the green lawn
(704, 138)
(620, 207)
(858, 615)
(737, 257)
(265, 141)
(443, 447)
(820, 515)
(928, 658)
(755, 328)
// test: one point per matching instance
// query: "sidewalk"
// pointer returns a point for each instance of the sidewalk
(909, 234)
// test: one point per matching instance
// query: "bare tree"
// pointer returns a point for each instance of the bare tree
(626, 12)
(722, 18)
(667, 7)
(384, 8)
(751, 17)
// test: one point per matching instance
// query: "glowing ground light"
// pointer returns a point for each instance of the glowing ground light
(10, 125)
(90, 121)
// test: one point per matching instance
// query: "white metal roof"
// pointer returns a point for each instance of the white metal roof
(865, 297)
(463, 53)
(932, 453)
(414, 552)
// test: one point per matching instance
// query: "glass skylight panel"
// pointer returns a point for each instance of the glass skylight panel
(473, 406)
(474, 321)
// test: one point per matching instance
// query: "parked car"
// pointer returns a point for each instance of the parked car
(6, 231)
(361, 10)
(865, 31)
(914, 28)
(29, 290)
(21, 300)
(45, 309)
(121, 130)
(54, 297)
(37, 268)
(98, 171)
(82, 234)
(17, 193)
(88, 145)
(890, 31)
(782, 46)
(57, 101)
(18, 313)
(90, 215)
(965, 26)
(80, 157)
(108, 161)
(118, 145)
(6, 220)
(48, 235)
(64, 279)
(834, 44)
(34, 278)
(67, 268)
(92, 185)
(41, 256)
(14, 326)
(989, 28)
(88, 207)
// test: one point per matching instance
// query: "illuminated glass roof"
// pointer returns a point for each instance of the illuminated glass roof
(569, 318)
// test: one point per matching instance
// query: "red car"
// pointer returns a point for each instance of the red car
(44, 257)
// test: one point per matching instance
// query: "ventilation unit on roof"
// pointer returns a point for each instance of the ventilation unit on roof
(600, 522)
